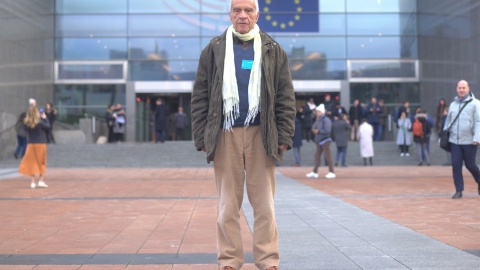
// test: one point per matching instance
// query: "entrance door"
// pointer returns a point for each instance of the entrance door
(146, 104)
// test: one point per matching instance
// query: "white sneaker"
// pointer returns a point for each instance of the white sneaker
(32, 185)
(402, 154)
(330, 175)
(312, 175)
(407, 154)
(42, 185)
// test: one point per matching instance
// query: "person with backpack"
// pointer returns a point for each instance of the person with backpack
(322, 129)
(420, 129)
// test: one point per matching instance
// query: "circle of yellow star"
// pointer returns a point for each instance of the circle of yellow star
(274, 23)
(268, 17)
(297, 2)
(290, 23)
(283, 26)
(268, 1)
(265, 9)
(299, 9)
(297, 17)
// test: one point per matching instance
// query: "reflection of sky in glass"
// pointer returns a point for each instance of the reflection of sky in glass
(95, 25)
(161, 48)
(328, 47)
(382, 47)
(163, 6)
(91, 6)
(381, 24)
(382, 6)
(91, 48)
(164, 25)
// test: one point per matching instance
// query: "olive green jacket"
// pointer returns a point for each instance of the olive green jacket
(277, 108)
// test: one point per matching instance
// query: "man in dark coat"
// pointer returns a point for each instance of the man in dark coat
(181, 122)
(340, 130)
(356, 115)
(161, 116)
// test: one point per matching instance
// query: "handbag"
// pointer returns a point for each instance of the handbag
(445, 134)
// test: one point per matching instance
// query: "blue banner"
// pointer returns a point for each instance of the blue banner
(288, 15)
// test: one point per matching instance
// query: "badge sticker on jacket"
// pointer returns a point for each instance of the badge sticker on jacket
(247, 64)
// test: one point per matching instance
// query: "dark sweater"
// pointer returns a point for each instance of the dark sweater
(37, 134)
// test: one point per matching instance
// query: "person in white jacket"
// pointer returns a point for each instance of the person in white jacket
(464, 135)
(365, 134)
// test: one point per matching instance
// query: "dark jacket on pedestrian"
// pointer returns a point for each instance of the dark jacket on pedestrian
(373, 116)
(180, 120)
(382, 117)
(277, 115)
(308, 120)
(341, 132)
(161, 117)
(297, 137)
(37, 134)
(356, 113)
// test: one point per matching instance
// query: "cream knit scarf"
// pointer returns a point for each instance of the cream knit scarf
(231, 108)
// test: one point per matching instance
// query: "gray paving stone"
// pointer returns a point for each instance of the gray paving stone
(318, 231)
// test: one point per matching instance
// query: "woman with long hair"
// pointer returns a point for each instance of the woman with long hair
(35, 160)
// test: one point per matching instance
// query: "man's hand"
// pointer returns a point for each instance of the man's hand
(203, 149)
(475, 143)
(283, 147)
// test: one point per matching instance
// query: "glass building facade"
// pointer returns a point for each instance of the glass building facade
(135, 51)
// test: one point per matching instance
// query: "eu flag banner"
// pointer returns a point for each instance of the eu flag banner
(288, 15)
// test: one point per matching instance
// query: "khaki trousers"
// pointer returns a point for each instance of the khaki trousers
(240, 156)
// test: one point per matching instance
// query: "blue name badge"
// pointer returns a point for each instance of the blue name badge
(247, 64)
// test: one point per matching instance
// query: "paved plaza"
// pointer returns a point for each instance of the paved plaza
(164, 218)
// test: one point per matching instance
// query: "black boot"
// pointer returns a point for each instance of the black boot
(457, 195)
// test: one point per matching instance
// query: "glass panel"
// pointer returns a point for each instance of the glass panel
(88, 72)
(382, 6)
(382, 70)
(332, 6)
(215, 24)
(443, 26)
(313, 47)
(91, 25)
(162, 70)
(329, 25)
(91, 48)
(158, 6)
(74, 100)
(91, 6)
(164, 48)
(382, 47)
(381, 24)
(389, 92)
(317, 69)
(156, 25)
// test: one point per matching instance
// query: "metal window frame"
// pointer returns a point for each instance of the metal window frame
(124, 64)
(383, 79)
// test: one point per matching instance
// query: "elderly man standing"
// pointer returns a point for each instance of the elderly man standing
(243, 117)
(464, 135)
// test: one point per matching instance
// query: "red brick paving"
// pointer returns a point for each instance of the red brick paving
(455, 222)
(141, 221)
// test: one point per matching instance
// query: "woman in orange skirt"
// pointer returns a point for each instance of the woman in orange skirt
(35, 160)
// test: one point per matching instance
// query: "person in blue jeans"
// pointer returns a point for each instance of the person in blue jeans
(21, 137)
(464, 135)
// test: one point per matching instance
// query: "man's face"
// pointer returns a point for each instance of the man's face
(355, 102)
(406, 104)
(462, 89)
(243, 15)
(374, 100)
(327, 98)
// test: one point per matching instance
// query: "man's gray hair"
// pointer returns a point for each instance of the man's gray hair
(257, 7)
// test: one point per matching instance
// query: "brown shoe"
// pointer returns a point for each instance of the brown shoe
(228, 268)
(273, 268)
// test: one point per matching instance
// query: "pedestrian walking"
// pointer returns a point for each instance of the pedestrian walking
(239, 72)
(35, 160)
(323, 139)
(181, 122)
(161, 121)
(51, 113)
(464, 135)
(110, 118)
(297, 138)
(420, 129)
